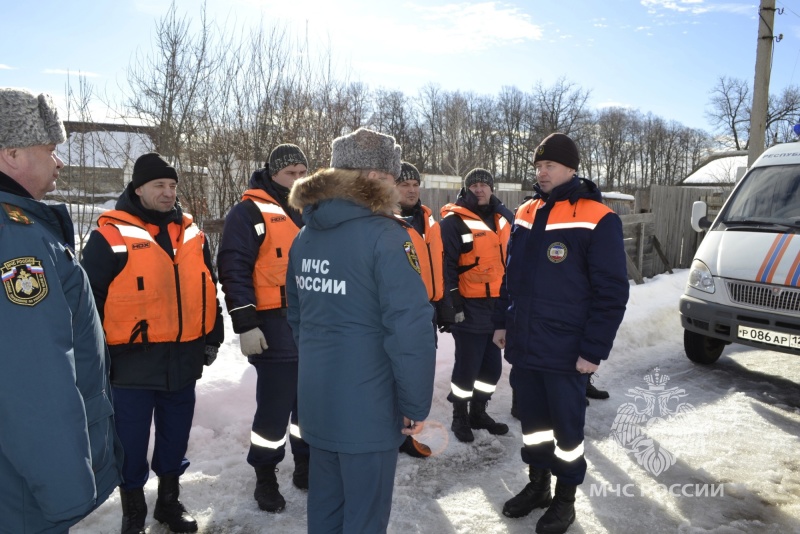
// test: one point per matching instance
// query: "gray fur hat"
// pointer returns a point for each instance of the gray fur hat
(28, 120)
(366, 149)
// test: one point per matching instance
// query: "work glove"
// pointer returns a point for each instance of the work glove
(252, 342)
(211, 354)
(447, 316)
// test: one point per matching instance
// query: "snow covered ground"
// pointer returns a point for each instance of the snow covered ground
(728, 463)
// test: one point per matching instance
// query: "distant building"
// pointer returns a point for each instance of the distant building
(98, 157)
(720, 170)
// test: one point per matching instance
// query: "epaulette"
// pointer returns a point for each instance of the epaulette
(16, 214)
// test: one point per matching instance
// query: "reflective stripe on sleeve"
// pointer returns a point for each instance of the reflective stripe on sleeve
(294, 430)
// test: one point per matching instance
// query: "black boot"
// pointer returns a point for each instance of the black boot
(414, 448)
(536, 494)
(479, 419)
(169, 509)
(461, 427)
(300, 475)
(594, 393)
(134, 510)
(266, 494)
(561, 514)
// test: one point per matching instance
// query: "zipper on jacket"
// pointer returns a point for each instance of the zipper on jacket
(205, 304)
(433, 277)
(180, 305)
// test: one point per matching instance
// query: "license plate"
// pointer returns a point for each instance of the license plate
(769, 336)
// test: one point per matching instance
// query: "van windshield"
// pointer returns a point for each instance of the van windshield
(768, 195)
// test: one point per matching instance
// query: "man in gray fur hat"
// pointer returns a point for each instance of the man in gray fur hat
(361, 319)
(59, 455)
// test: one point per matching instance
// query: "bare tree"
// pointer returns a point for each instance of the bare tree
(782, 115)
(730, 111)
(429, 105)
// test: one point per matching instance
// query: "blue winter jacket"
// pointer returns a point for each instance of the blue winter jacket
(59, 454)
(566, 283)
(360, 315)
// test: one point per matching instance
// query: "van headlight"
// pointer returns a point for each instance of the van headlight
(700, 277)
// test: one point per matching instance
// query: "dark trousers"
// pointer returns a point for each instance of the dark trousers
(350, 493)
(134, 411)
(477, 359)
(552, 411)
(276, 404)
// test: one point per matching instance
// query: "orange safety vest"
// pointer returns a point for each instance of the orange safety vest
(156, 298)
(481, 269)
(562, 214)
(269, 274)
(431, 255)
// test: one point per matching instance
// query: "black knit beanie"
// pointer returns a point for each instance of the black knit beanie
(479, 176)
(559, 148)
(284, 155)
(407, 172)
(151, 166)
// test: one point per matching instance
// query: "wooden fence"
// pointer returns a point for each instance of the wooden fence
(672, 210)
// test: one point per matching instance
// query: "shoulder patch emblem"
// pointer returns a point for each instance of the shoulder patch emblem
(16, 214)
(24, 281)
(557, 252)
(411, 254)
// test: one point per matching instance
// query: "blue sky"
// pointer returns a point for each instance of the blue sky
(659, 56)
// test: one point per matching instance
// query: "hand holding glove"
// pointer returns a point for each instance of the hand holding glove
(447, 316)
(252, 342)
(211, 354)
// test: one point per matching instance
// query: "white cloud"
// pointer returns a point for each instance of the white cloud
(441, 29)
(697, 7)
(472, 26)
(6, 67)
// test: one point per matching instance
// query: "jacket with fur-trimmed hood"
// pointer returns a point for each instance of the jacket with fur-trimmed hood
(360, 316)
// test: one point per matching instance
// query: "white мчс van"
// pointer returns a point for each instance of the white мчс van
(744, 283)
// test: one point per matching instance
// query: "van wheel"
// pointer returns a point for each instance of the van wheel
(702, 349)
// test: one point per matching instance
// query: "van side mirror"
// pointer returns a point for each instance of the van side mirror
(700, 220)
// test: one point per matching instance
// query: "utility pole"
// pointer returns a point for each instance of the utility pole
(759, 109)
